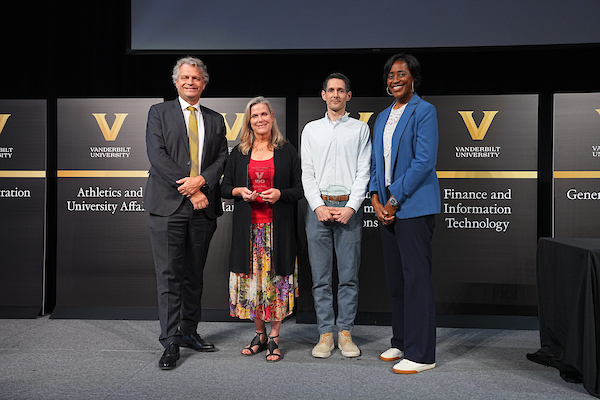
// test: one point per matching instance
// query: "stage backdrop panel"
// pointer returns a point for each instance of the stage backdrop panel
(485, 238)
(22, 207)
(576, 165)
(488, 269)
(104, 257)
(104, 262)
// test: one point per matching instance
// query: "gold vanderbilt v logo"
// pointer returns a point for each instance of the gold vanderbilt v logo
(478, 133)
(365, 116)
(597, 109)
(110, 134)
(234, 131)
(3, 119)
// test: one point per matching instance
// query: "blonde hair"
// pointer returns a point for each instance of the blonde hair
(247, 135)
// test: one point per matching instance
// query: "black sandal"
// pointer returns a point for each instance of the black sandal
(256, 342)
(271, 347)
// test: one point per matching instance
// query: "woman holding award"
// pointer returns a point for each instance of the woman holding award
(263, 176)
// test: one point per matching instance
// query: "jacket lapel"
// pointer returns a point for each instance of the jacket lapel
(207, 125)
(180, 121)
(401, 127)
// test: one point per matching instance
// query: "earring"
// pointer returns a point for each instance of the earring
(387, 90)
(413, 86)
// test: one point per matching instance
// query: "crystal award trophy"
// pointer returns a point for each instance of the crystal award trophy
(260, 178)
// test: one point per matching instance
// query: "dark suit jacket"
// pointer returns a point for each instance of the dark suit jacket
(169, 154)
(288, 180)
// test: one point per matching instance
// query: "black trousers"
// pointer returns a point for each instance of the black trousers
(407, 256)
(180, 246)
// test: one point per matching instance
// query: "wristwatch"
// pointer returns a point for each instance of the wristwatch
(205, 189)
(393, 202)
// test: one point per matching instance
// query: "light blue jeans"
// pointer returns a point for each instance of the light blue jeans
(323, 238)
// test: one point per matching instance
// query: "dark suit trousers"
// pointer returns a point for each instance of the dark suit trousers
(407, 260)
(180, 246)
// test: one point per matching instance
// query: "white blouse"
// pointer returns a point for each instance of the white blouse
(388, 133)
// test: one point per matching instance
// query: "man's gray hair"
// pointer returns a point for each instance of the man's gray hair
(195, 62)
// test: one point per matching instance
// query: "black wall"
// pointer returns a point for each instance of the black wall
(52, 51)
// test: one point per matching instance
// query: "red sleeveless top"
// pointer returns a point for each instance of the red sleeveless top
(260, 178)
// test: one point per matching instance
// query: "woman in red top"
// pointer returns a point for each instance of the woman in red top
(263, 177)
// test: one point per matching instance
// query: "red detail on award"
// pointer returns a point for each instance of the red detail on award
(260, 175)
(260, 178)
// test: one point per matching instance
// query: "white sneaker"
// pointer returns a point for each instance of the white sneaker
(392, 354)
(324, 347)
(410, 367)
(346, 345)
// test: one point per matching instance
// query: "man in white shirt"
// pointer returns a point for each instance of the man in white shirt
(336, 157)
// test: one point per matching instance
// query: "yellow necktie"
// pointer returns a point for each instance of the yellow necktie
(193, 138)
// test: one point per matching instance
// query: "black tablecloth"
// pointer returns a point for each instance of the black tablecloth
(569, 309)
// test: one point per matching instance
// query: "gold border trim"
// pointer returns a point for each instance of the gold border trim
(22, 174)
(487, 174)
(576, 174)
(101, 174)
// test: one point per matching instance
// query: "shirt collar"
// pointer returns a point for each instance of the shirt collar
(342, 119)
(184, 104)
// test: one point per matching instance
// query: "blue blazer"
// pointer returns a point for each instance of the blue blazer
(414, 155)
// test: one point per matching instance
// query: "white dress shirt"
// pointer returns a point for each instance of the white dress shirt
(335, 154)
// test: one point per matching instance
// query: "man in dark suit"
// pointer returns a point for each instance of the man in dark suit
(187, 149)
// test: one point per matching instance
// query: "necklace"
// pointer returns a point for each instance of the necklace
(258, 148)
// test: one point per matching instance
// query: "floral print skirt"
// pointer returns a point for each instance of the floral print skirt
(262, 294)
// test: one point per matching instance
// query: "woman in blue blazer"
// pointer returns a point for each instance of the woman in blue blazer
(405, 195)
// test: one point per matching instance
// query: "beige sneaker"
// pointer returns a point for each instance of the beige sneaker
(324, 347)
(346, 345)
